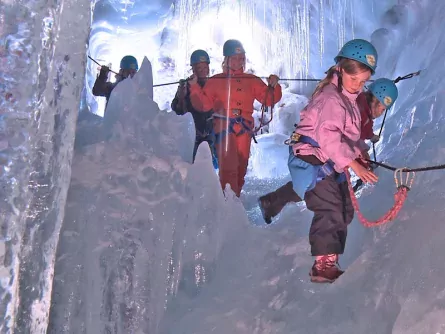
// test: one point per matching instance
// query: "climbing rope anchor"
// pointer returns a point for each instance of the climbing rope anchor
(398, 178)
(402, 185)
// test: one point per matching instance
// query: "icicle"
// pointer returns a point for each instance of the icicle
(321, 31)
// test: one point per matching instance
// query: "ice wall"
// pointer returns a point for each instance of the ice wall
(42, 64)
(140, 220)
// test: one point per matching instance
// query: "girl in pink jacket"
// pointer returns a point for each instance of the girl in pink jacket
(380, 96)
(324, 143)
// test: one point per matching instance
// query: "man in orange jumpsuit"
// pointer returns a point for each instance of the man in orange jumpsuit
(231, 95)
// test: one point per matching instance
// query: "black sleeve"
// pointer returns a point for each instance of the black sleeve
(101, 86)
(176, 104)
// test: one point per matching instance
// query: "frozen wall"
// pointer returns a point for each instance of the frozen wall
(145, 244)
(42, 57)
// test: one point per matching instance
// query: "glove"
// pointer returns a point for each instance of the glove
(375, 139)
(183, 88)
(104, 72)
(273, 80)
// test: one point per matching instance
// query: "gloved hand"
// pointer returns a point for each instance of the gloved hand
(183, 87)
(104, 69)
(103, 74)
(375, 139)
(273, 80)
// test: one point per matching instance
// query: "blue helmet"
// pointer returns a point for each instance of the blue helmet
(129, 63)
(232, 47)
(199, 56)
(361, 51)
(385, 91)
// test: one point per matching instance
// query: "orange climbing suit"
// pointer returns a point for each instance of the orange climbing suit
(231, 96)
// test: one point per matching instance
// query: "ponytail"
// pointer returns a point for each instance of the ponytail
(350, 66)
(326, 81)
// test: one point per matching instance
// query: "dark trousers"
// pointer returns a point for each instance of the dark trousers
(210, 139)
(333, 212)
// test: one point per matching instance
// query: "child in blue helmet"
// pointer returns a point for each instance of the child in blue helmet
(89, 126)
(324, 143)
(379, 97)
(128, 68)
(199, 60)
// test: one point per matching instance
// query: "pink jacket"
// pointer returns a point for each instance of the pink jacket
(333, 120)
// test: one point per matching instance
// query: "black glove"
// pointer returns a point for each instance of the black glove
(105, 69)
(104, 72)
(183, 87)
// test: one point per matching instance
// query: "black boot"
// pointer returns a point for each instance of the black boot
(272, 203)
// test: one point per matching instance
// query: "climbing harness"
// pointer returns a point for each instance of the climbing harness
(323, 170)
(402, 186)
(246, 126)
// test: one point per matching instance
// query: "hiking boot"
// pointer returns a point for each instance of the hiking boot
(267, 207)
(272, 203)
(325, 269)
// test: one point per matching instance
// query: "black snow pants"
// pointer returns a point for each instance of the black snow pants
(333, 212)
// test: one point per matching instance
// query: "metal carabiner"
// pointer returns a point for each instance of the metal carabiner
(398, 178)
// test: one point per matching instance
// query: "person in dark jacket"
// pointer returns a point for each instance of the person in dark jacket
(199, 60)
(102, 87)
(92, 128)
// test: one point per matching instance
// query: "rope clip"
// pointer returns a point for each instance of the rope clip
(295, 137)
(398, 178)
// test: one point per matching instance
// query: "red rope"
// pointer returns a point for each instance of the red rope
(399, 199)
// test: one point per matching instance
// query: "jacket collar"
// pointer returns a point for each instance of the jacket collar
(350, 96)
(230, 72)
